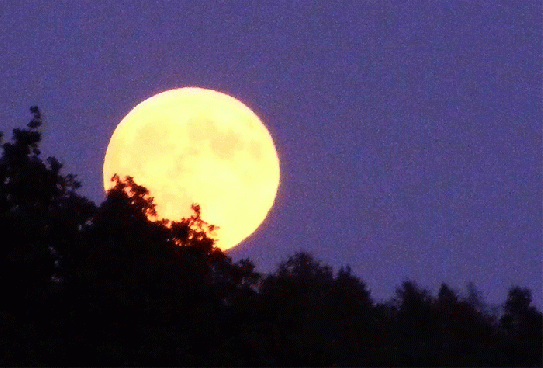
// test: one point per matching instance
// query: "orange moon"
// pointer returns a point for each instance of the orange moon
(194, 145)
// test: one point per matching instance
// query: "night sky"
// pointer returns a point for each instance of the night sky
(409, 132)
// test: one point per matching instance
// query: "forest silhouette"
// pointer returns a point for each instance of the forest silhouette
(83, 284)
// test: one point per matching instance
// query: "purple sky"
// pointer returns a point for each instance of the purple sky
(409, 132)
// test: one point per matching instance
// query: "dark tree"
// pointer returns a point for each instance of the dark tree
(115, 285)
(41, 220)
(522, 325)
(415, 325)
(153, 292)
(312, 317)
(474, 298)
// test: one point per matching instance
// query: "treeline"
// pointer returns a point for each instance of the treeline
(91, 285)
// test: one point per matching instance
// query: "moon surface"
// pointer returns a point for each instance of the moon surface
(194, 145)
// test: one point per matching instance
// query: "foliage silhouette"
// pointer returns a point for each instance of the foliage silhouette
(314, 317)
(522, 325)
(144, 280)
(40, 217)
(116, 285)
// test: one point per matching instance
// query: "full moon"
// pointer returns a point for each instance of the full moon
(194, 145)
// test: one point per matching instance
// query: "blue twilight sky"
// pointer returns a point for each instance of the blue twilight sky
(409, 132)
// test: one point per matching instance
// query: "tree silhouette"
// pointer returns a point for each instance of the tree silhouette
(415, 325)
(116, 285)
(313, 317)
(41, 217)
(522, 325)
(151, 290)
